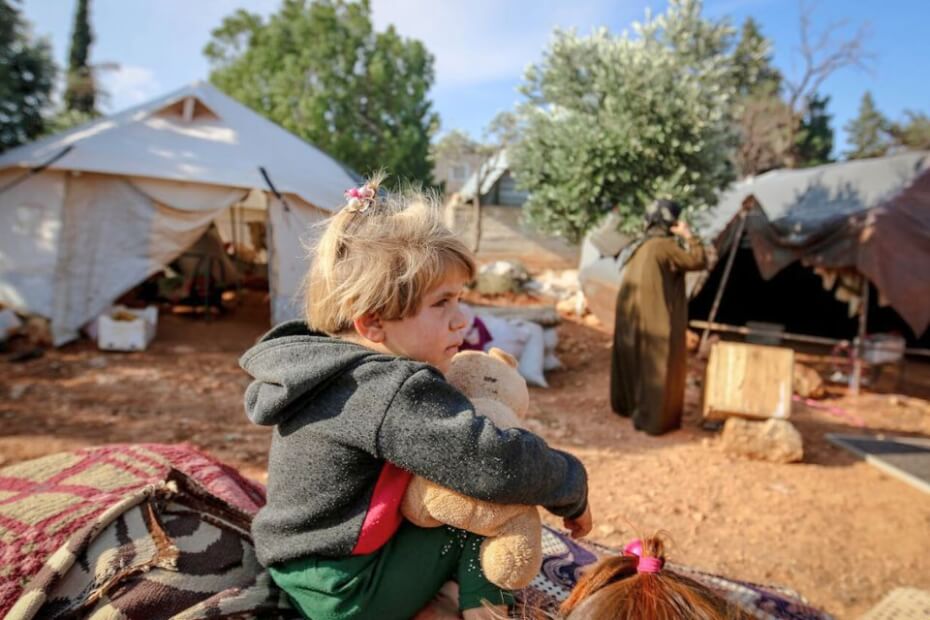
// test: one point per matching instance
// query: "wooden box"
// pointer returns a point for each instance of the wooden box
(749, 381)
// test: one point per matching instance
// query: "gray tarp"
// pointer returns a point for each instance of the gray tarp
(870, 215)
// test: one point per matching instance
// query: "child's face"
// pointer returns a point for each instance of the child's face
(435, 333)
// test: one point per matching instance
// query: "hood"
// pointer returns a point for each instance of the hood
(289, 364)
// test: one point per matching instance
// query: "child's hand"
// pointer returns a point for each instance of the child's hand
(581, 525)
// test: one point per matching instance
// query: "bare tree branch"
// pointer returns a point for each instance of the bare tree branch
(826, 56)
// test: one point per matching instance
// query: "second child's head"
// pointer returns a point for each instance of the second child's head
(388, 272)
(637, 585)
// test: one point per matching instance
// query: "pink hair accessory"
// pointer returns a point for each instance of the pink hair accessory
(360, 198)
(644, 564)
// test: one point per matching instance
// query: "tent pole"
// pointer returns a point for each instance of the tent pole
(726, 273)
(860, 340)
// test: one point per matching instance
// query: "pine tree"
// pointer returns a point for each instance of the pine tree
(754, 71)
(81, 91)
(868, 131)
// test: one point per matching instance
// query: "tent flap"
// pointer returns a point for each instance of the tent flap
(30, 223)
(292, 232)
(114, 237)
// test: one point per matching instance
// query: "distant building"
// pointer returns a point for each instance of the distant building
(453, 173)
(505, 235)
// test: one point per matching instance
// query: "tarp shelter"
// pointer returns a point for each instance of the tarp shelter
(126, 194)
(869, 216)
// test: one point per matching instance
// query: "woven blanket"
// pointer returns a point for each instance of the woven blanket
(154, 531)
(130, 531)
(565, 559)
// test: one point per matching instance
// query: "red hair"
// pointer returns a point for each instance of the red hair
(612, 589)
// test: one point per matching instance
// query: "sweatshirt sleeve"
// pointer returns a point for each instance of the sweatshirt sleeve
(432, 430)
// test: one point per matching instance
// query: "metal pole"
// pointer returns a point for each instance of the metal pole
(726, 274)
(745, 331)
(856, 382)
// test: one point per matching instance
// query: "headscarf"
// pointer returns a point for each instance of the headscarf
(662, 214)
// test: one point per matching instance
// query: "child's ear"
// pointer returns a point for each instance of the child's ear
(370, 327)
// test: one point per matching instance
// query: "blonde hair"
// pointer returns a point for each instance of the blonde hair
(380, 256)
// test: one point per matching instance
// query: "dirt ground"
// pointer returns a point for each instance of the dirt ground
(837, 530)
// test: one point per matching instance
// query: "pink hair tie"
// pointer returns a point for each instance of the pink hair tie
(644, 564)
(360, 198)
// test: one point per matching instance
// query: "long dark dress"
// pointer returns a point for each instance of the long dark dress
(647, 378)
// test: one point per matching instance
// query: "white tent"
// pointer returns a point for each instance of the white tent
(87, 214)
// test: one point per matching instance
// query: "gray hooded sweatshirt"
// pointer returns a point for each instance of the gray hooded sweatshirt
(351, 426)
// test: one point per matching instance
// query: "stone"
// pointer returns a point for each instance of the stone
(97, 362)
(807, 382)
(776, 441)
(39, 331)
(592, 321)
(501, 277)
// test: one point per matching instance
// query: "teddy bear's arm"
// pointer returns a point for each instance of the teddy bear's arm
(466, 513)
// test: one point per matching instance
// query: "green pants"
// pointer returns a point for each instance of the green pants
(393, 583)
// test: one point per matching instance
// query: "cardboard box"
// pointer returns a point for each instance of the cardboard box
(116, 332)
(748, 381)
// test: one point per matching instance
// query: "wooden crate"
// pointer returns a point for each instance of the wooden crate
(749, 381)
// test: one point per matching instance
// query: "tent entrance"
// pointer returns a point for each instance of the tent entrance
(794, 298)
(211, 276)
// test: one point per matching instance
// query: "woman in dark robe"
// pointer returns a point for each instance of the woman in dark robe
(649, 366)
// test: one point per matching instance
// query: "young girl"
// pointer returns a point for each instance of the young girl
(358, 402)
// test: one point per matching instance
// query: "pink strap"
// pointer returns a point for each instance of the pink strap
(644, 564)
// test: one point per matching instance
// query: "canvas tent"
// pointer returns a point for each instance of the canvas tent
(124, 195)
(870, 216)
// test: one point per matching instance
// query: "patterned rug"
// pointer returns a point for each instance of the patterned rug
(162, 531)
(130, 531)
(565, 559)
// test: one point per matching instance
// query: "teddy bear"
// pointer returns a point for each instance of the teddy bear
(511, 554)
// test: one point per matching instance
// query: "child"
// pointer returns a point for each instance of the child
(637, 585)
(358, 403)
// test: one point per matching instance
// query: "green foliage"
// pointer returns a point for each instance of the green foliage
(914, 133)
(868, 131)
(763, 118)
(455, 145)
(754, 72)
(615, 122)
(65, 119)
(814, 140)
(320, 71)
(27, 74)
(81, 89)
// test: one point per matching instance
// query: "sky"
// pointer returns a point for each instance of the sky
(482, 47)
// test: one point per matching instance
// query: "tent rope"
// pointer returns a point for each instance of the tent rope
(36, 169)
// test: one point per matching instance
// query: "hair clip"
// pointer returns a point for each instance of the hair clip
(360, 198)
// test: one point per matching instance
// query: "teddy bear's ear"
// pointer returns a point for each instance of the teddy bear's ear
(503, 356)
